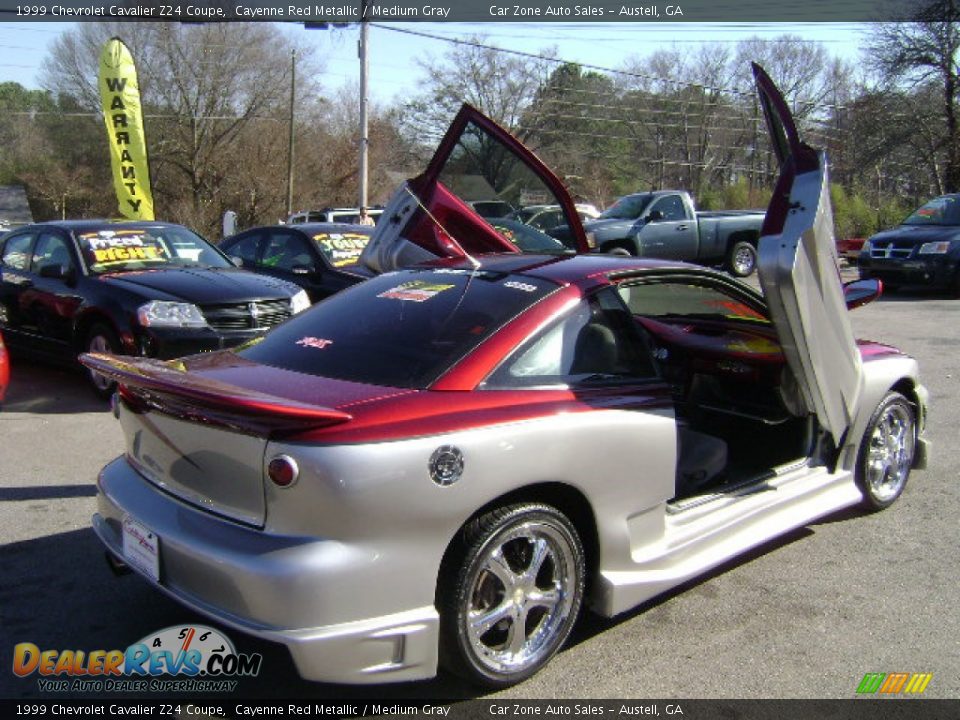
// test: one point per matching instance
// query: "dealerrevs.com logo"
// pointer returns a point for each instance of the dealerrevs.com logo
(200, 658)
(894, 683)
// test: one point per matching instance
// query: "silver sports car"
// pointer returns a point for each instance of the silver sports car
(445, 463)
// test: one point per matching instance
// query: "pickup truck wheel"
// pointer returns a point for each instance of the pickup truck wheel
(509, 593)
(742, 259)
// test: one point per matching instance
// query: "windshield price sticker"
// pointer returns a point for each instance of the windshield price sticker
(415, 291)
(342, 248)
(108, 248)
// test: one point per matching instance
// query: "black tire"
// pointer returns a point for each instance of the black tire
(955, 285)
(886, 452)
(488, 572)
(101, 338)
(741, 259)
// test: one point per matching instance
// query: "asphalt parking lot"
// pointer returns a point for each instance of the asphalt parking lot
(804, 617)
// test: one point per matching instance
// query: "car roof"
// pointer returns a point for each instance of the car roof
(332, 227)
(91, 225)
(583, 270)
(312, 227)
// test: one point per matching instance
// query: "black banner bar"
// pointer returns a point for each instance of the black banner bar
(853, 709)
(348, 11)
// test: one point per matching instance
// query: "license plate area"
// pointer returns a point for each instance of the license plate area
(141, 548)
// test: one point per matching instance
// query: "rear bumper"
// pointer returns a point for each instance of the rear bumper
(283, 589)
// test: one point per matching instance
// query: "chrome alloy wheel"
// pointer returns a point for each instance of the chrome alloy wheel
(889, 452)
(744, 260)
(521, 594)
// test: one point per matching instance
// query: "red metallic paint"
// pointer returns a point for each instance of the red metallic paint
(159, 384)
(472, 370)
(433, 413)
(460, 229)
(4, 369)
(451, 138)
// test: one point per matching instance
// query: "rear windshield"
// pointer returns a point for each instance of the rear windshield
(402, 329)
(341, 249)
(627, 208)
(119, 249)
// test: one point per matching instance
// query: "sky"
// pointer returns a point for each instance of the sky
(393, 54)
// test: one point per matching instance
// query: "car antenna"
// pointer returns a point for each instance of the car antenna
(473, 260)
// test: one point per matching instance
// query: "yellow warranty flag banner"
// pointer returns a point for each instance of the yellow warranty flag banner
(120, 100)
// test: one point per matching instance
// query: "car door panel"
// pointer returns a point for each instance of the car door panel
(798, 270)
(50, 305)
(429, 216)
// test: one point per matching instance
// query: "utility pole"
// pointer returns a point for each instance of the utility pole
(293, 84)
(364, 139)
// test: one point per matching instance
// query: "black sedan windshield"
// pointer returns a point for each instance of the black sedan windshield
(117, 248)
(402, 329)
(939, 211)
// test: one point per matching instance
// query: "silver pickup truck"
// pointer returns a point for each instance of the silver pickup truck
(665, 224)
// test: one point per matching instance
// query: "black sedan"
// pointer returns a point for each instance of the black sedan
(322, 258)
(136, 288)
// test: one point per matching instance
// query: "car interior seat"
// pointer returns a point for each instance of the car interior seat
(595, 350)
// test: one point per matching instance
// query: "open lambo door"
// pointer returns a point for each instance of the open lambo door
(468, 201)
(798, 270)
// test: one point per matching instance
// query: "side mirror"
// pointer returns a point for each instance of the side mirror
(654, 216)
(238, 261)
(861, 292)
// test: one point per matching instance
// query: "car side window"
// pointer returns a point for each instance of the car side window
(594, 343)
(245, 248)
(52, 250)
(16, 253)
(286, 251)
(671, 206)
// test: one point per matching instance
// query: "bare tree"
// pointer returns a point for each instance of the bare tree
(203, 88)
(501, 85)
(920, 50)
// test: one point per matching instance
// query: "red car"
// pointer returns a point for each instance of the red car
(442, 465)
(4, 369)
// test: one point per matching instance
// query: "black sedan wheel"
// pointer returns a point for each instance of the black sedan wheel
(101, 339)
(511, 594)
(886, 452)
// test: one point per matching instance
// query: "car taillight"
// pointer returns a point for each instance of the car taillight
(283, 471)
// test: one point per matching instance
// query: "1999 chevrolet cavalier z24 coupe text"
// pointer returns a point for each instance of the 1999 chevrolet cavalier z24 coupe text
(444, 463)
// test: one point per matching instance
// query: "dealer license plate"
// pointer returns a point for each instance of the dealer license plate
(141, 548)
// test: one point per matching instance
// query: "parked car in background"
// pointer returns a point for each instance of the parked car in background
(491, 208)
(850, 248)
(665, 224)
(4, 369)
(549, 217)
(923, 250)
(350, 216)
(322, 258)
(444, 464)
(134, 288)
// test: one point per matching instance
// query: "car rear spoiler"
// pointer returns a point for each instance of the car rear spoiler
(172, 389)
